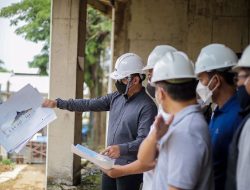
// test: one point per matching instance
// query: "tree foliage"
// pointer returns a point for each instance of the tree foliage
(1, 66)
(32, 19)
(97, 39)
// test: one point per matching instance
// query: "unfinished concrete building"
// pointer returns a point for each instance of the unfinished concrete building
(138, 26)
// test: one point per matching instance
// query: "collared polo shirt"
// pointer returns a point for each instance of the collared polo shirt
(185, 159)
(222, 126)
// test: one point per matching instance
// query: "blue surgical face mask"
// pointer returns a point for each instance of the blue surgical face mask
(243, 97)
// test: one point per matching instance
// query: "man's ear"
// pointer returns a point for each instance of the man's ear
(217, 81)
(162, 95)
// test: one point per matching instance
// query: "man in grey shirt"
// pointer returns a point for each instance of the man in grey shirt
(184, 160)
(132, 113)
(238, 174)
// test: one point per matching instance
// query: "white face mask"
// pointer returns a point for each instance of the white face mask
(204, 92)
(161, 112)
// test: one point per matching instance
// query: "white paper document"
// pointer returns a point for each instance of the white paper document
(100, 160)
(21, 116)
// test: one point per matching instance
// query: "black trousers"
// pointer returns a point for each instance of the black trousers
(130, 182)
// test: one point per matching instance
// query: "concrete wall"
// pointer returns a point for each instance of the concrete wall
(140, 25)
(188, 25)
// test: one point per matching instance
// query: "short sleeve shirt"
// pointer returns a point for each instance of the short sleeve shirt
(243, 164)
(222, 126)
(185, 159)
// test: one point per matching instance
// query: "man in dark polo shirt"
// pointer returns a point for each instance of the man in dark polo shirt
(132, 112)
(216, 84)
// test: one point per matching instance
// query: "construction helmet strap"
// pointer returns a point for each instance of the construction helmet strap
(123, 88)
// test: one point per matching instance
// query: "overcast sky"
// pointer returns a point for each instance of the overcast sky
(15, 51)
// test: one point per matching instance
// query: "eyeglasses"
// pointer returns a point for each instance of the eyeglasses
(124, 79)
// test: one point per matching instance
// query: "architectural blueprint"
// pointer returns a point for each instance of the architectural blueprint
(21, 116)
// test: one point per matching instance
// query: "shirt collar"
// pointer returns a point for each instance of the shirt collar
(179, 117)
(228, 105)
(184, 112)
(135, 95)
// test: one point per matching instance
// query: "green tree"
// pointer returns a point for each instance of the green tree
(32, 19)
(97, 39)
(1, 66)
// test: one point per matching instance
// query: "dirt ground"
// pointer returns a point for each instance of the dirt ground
(5, 168)
(31, 178)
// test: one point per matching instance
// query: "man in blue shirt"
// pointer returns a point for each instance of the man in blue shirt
(216, 84)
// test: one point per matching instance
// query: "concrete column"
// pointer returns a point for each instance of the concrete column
(68, 29)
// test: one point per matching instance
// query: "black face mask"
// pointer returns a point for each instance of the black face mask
(151, 90)
(243, 97)
(121, 87)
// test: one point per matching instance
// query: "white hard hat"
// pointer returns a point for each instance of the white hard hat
(244, 61)
(215, 57)
(156, 54)
(127, 64)
(174, 65)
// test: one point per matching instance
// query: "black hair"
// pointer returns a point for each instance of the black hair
(141, 76)
(246, 69)
(227, 75)
(180, 91)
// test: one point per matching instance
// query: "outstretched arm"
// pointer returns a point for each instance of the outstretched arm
(81, 105)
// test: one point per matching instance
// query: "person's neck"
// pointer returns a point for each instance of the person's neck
(134, 91)
(225, 93)
(175, 107)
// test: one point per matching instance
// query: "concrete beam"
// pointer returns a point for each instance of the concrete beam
(102, 6)
(68, 29)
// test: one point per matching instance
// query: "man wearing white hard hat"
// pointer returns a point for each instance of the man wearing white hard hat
(132, 113)
(136, 167)
(238, 172)
(184, 160)
(216, 84)
(153, 57)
